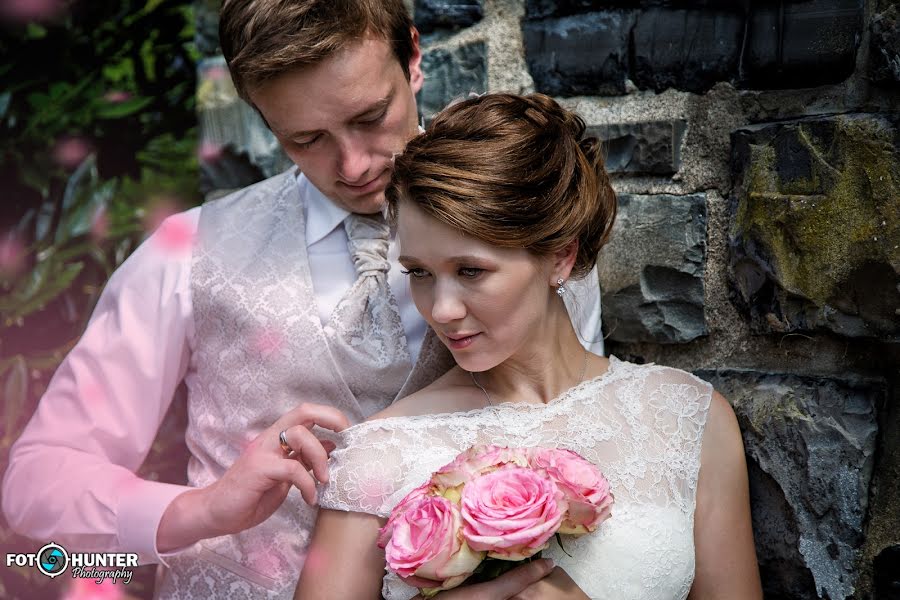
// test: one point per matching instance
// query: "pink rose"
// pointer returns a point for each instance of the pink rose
(426, 542)
(585, 488)
(475, 461)
(511, 512)
(384, 534)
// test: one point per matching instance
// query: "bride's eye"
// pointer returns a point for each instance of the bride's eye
(415, 273)
(470, 272)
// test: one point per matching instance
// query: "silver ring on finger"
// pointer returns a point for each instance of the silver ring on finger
(282, 441)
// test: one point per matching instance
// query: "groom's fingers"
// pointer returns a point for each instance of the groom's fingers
(308, 451)
(293, 472)
(308, 414)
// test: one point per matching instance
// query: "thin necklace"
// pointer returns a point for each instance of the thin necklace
(488, 396)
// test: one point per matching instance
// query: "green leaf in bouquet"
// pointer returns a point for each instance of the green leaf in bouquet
(561, 547)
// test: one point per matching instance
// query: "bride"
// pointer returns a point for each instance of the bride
(498, 205)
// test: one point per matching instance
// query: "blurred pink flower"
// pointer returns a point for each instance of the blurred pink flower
(69, 152)
(89, 589)
(23, 11)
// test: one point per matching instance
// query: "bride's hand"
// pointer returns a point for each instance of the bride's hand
(557, 584)
(516, 584)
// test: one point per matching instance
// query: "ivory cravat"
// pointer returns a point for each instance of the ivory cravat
(365, 334)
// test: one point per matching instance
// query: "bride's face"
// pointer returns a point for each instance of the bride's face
(484, 302)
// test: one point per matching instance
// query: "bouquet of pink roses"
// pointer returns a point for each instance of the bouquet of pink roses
(491, 503)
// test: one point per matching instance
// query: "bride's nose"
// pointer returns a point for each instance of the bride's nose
(448, 304)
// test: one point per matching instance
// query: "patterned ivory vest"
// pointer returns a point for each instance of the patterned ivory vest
(260, 351)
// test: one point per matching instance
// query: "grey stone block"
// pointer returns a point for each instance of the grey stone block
(814, 233)
(538, 9)
(811, 445)
(587, 54)
(651, 271)
(801, 44)
(688, 50)
(651, 147)
(451, 74)
(451, 14)
(885, 46)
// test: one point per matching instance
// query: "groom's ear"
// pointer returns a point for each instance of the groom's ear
(416, 77)
(563, 261)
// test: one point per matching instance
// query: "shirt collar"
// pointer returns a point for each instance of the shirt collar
(322, 215)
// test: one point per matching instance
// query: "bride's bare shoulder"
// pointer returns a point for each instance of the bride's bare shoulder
(451, 392)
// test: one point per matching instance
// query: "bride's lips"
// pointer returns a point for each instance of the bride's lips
(370, 186)
(459, 341)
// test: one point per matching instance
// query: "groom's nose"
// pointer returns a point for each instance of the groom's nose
(353, 160)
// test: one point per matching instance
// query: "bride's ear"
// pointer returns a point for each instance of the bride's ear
(563, 261)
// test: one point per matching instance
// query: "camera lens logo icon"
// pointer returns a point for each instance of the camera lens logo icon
(52, 560)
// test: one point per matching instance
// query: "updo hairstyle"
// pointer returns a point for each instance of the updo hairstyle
(512, 171)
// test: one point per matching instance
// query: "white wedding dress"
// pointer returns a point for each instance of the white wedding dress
(641, 424)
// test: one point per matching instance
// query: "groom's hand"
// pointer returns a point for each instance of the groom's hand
(257, 483)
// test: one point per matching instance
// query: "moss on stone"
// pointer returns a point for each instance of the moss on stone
(816, 241)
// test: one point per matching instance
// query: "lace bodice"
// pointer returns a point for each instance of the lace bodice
(641, 424)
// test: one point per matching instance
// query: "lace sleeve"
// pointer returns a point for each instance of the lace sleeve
(377, 463)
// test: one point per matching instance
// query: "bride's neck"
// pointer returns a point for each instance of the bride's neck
(549, 362)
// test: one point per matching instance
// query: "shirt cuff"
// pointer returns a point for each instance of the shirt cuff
(141, 507)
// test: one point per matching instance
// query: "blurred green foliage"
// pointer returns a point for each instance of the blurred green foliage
(97, 127)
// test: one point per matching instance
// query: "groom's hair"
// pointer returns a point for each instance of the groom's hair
(262, 39)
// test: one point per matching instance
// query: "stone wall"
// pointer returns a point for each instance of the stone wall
(754, 147)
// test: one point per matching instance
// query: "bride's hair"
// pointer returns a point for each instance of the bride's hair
(513, 171)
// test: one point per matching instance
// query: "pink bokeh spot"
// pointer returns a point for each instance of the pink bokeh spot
(89, 589)
(100, 226)
(172, 231)
(264, 558)
(12, 255)
(266, 342)
(315, 561)
(93, 394)
(69, 152)
(216, 73)
(209, 152)
(116, 96)
(24, 11)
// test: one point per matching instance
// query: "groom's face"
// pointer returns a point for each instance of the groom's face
(341, 121)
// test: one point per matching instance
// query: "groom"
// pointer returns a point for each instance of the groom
(288, 312)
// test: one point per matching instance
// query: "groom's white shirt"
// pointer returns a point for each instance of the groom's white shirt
(71, 473)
